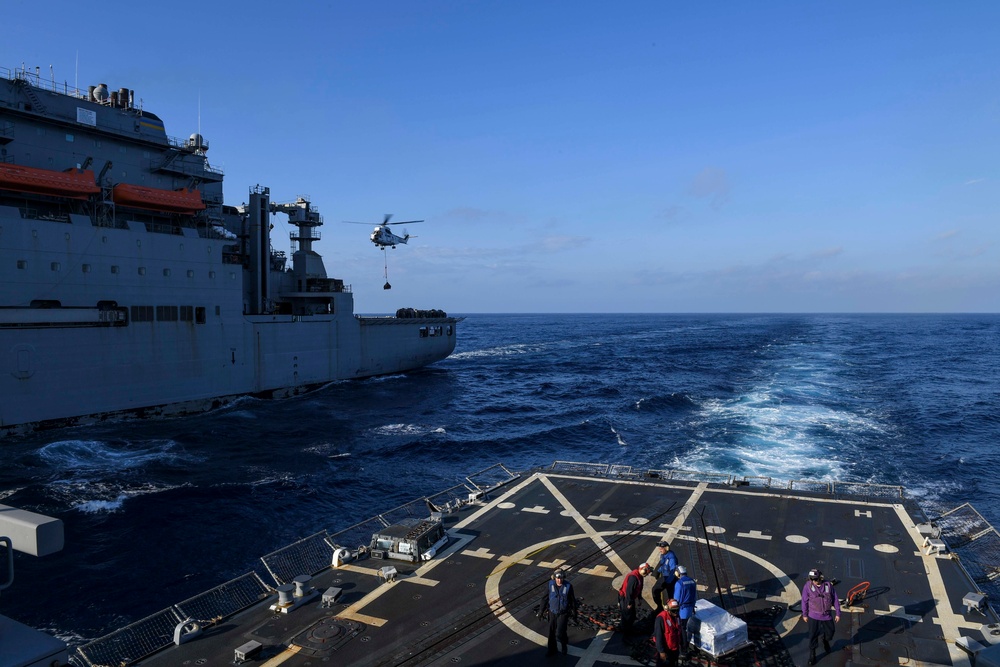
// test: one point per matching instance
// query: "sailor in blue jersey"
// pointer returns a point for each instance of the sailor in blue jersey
(560, 602)
(686, 593)
(665, 576)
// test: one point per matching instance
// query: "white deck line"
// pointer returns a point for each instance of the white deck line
(949, 621)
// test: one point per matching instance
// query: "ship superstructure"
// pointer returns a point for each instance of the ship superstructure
(128, 285)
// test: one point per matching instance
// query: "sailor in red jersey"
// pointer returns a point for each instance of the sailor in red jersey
(629, 595)
(667, 634)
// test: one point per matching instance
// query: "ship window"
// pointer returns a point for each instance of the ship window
(199, 314)
(114, 268)
(104, 239)
(187, 313)
(449, 329)
(22, 264)
(142, 313)
(211, 274)
(190, 273)
(69, 137)
(86, 268)
(56, 266)
(97, 144)
(142, 270)
(218, 310)
(166, 273)
(166, 313)
(232, 275)
(423, 332)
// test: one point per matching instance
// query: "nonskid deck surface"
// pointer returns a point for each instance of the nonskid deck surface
(749, 549)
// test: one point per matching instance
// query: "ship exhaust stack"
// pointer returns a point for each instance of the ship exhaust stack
(259, 249)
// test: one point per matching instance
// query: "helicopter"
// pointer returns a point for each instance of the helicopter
(382, 236)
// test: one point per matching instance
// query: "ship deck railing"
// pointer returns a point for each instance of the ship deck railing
(36, 79)
(977, 544)
(612, 471)
(310, 555)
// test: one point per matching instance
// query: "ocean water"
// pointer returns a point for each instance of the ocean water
(157, 511)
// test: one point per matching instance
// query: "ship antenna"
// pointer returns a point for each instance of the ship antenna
(76, 74)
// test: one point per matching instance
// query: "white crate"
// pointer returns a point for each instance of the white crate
(719, 631)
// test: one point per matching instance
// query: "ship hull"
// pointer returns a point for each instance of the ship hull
(64, 360)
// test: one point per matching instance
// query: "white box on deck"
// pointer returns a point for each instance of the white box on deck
(720, 632)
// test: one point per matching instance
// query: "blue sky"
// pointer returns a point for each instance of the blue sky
(588, 156)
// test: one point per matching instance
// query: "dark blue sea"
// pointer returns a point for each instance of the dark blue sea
(157, 511)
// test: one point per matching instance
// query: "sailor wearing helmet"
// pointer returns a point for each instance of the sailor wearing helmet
(667, 635)
(821, 610)
(560, 602)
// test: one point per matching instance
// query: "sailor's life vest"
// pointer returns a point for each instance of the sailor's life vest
(558, 597)
(623, 591)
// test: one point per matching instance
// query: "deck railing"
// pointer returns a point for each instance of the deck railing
(309, 555)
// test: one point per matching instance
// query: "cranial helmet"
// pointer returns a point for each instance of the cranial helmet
(815, 574)
(681, 569)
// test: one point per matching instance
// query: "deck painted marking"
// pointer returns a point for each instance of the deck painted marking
(841, 544)
(506, 506)
(481, 552)
(592, 654)
(638, 521)
(601, 517)
(513, 560)
(537, 509)
(715, 530)
(671, 529)
(671, 532)
(492, 590)
(284, 656)
(797, 539)
(886, 548)
(754, 535)
(948, 620)
(899, 612)
(866, 513)
(598, 571)
(587, 528)
(423, 581)
(667, 526)
(492, 587)
(353, 612)
(552, 564)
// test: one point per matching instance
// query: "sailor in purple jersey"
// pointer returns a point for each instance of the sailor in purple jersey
(821, 610)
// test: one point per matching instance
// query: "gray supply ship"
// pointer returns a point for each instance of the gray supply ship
(458, 578)
(129, 286)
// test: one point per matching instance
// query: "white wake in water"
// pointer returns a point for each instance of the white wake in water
(786, 425)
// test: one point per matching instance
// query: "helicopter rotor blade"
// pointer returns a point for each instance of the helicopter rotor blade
(388, 216)
(404, 222)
